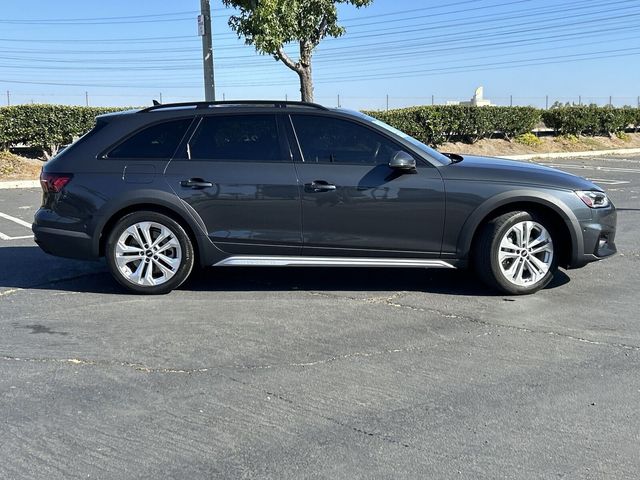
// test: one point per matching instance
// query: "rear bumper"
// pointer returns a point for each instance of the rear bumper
(598, 236)
(62, 242)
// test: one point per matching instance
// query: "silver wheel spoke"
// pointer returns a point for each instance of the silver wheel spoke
(145, 229)
(132, 231)
(508, 250)
(167, 266)
(539, 242)
(136, 276)
(148, 254)
(512, 271)
(165, 234)
(526, 231)
(127, 250)
(525, 253)
(172, 243)
(539, 264)
(148, 275)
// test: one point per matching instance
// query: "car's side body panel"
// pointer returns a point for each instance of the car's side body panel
(267, 209)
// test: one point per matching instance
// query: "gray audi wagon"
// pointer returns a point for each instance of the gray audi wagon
(268, 183)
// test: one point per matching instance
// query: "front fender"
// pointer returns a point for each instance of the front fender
(537, 197)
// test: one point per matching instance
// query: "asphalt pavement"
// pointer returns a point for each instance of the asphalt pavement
(320, 373)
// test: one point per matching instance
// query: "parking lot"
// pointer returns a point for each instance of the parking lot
(320, 373)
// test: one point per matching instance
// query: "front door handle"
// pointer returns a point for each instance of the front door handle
(196, 183)
(319, 186)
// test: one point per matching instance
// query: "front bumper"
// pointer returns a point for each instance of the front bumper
(598, 235)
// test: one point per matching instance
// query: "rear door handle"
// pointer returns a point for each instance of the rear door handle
(319, 186)
(196, 183)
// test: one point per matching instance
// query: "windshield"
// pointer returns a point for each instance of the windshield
(436, 155)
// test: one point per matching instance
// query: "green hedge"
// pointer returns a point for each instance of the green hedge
(591, 120)
(435, 125)
(46, 127)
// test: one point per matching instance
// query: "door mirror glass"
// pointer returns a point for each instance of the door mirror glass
(403, 161)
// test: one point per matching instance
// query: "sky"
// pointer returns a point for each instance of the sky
(394, 52)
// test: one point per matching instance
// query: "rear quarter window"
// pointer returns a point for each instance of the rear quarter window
(156, 141)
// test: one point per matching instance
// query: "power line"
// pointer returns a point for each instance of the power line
(407, 49)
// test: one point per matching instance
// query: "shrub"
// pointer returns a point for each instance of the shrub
(528, 139)
(435, 125)
(46, 127)
(590, 120)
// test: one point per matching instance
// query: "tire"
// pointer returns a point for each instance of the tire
(149, 253)
(517, 253)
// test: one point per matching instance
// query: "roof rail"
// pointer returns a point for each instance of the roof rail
(274, 103)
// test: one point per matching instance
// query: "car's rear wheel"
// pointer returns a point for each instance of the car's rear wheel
(517, 252)
(150, 253)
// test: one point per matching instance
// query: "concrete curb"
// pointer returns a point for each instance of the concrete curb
(20, 184)
(592, 153)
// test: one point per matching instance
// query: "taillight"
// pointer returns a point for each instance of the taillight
(54, 182)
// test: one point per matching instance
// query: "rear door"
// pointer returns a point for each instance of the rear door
(353, 203)
(236, 171)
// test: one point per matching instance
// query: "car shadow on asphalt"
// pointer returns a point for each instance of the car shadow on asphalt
(28, 267)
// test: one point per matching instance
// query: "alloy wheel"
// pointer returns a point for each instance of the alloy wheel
(525, 253)
(148, 254)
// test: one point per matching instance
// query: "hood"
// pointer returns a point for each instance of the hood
(490, 169)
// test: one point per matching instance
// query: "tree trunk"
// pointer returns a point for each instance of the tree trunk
(306, 84)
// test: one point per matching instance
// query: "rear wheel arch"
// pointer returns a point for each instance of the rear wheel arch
(188, 226)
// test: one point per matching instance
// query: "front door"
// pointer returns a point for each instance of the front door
(236, 172)
(353, 203)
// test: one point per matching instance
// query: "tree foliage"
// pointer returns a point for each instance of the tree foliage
(270, 25)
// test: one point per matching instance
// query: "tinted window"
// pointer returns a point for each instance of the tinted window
(243, 138)
(332, 140)
(156, 141)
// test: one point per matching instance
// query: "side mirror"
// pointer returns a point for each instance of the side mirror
(402, 161)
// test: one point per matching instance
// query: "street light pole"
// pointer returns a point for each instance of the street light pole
(204, 30)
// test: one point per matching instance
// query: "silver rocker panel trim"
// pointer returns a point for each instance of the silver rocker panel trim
(294, 261)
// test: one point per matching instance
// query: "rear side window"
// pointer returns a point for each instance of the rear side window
(238, 138)
(157, 141)
(333, 140)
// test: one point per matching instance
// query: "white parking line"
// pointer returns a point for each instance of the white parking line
(592, 167)
(7, 237)
(15, 220)
(19, 222)
(609, 182)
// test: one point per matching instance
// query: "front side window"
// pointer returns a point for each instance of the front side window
(333, 140)
(236, 138)
(157, 141)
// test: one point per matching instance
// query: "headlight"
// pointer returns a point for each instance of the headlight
(594, 199)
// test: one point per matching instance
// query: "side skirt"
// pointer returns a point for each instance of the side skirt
(294, 261)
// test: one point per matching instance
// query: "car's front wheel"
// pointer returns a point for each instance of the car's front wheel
(150, 253)
(517, 252)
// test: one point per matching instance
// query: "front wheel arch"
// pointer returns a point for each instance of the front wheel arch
(562, 217)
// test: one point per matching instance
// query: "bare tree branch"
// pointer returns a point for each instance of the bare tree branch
(322, 30)
(287, 60)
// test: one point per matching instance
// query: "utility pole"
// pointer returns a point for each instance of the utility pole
(86, 98)
(8, 98)
(204, 30)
